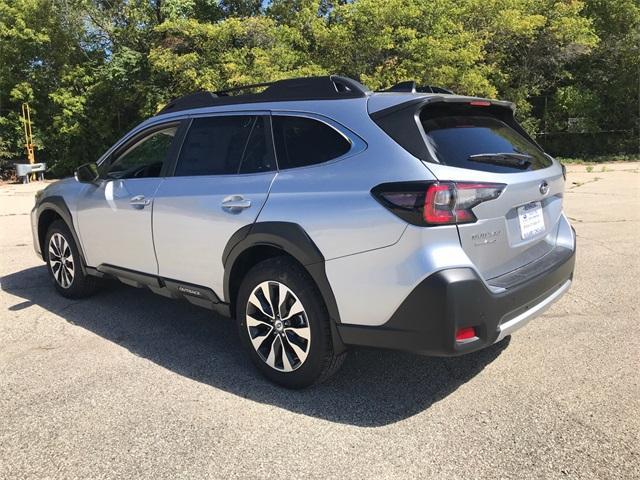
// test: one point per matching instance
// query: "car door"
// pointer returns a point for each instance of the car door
(221, 181)
(114, 216)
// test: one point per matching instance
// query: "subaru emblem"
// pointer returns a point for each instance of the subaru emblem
(544, 187)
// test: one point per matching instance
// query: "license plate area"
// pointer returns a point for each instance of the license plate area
(531, 220)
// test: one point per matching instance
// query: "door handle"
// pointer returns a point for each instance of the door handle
(235, 203)
(139, 201)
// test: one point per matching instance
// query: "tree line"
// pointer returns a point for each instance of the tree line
(92, 69)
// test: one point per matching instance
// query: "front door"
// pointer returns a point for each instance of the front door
(114, 216)
(221, 181)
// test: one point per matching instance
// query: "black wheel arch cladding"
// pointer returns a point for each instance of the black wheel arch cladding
(57, 205)
(293, 240)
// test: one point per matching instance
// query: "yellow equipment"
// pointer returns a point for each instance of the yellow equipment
(28, 136)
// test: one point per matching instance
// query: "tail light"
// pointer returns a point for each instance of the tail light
(436, 203)
(465, 334)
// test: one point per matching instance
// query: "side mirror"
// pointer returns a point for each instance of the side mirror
(87, 173)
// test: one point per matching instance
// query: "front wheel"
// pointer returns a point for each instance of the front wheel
(284, 324)
(63, 260)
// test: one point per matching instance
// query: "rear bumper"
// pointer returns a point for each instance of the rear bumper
(450, 299)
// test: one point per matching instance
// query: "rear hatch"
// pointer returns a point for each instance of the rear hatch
(479, 142)
(476, 142)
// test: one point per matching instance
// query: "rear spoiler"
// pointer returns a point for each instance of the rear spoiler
(420, 102)
(402, 121)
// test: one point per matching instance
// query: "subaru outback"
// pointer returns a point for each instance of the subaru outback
(321, 215)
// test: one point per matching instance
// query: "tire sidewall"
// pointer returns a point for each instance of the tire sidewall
(293, 276)
(77, 283)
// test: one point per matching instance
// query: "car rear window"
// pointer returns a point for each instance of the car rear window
(302, 141)
(476, 142)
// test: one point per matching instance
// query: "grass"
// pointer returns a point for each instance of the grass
(600, 159)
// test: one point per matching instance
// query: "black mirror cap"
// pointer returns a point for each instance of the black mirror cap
(87, 173)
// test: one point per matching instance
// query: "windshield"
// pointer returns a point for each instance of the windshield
(481, 142)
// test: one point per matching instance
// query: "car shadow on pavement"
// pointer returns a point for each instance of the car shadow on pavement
(374, 387)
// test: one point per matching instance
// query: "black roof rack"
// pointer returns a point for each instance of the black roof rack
(410, 87)
(330, 87)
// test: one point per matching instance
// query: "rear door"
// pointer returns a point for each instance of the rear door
(479, 142)
(221, 181)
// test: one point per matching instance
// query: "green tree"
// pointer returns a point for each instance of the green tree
(387, 42)
(91, 69)
(604, 86)
(204, 56)
(33, 51)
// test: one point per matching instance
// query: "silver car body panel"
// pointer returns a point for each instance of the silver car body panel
(67, 188)
(113, 230)
(373, 258)
(498, 219)
(370, 286)
(369, 295)
(191, 226)
(332, 201)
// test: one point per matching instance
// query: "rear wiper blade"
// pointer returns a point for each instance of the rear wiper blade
(507, 159)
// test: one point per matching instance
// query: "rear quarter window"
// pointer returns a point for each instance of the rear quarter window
(302, 141)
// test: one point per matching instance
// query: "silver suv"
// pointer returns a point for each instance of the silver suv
(321, 215)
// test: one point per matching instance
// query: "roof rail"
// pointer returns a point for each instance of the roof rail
(410, 87)
(331, 87)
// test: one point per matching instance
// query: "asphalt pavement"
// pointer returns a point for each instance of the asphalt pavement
(128, 384)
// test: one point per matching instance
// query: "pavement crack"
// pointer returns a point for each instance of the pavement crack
(600, 243)
(577, 220)
(580, 184)
(586, 300)
(603, 194)
(67, 307)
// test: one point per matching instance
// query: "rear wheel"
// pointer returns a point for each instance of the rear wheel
(63, 260)
(284, 325)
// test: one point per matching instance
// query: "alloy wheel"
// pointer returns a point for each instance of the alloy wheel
(278, 326)
(61, 260)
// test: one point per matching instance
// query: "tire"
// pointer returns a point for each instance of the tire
(293, 348)
(64, 263)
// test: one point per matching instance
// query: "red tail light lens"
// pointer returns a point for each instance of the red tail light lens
(439, 203)
(465, 333)
(449, 202)
(436, 203)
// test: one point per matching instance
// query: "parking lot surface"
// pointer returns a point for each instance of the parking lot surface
(128, 384)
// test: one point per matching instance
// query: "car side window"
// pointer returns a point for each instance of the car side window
(258, 154)
(224, 145)
(302, 141)
(145, 158)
